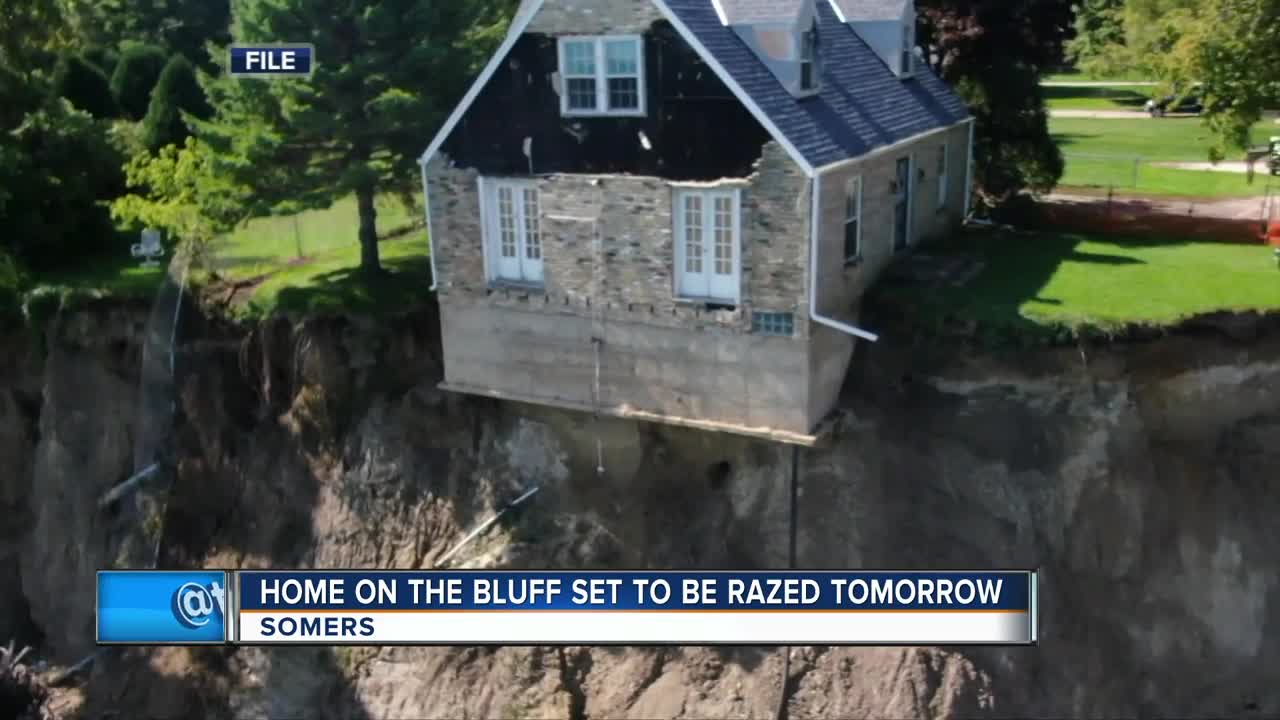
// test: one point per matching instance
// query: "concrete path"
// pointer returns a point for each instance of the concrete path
(1226, 166)
(1096, 83)
(1101, 114)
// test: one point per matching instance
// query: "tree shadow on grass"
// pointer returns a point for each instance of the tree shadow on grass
(1129, 98)
(1017, 266)
(403, 284)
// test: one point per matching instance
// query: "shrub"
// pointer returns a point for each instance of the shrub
(135, 76)
(84, 84)
(176, 91)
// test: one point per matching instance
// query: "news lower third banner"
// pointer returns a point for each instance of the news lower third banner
(464, 607)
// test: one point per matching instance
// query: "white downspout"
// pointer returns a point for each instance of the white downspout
(431, 235)
(815, 223)
(968, 173)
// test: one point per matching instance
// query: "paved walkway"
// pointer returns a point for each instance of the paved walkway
(1100, 114)
(1096, 83)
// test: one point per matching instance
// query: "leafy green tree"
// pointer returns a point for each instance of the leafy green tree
(177, 190)
(388, 72)
(176, 92)
(994, 53)
(1230, 49)
(32, 33)
(135, 77)
(178, 26)
(59, 167)
(84, 84)
(1099, 35)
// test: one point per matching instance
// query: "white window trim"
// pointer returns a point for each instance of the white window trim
(489, 238)
(857, 256)
(944, 175)
(602, 77)
(677, 217)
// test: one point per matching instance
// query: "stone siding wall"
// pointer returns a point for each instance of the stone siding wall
(608, 249)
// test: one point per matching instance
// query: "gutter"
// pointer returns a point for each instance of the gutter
(814, 315)
(431, 235)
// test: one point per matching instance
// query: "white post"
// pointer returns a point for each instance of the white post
(431, 235)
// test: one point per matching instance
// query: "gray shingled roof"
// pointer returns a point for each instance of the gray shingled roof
(753, 11)
(862, 105)
(855, 10)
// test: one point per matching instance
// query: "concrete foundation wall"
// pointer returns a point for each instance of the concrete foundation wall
(534, 355)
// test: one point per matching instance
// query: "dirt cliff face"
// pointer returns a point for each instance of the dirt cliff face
(1140, 480)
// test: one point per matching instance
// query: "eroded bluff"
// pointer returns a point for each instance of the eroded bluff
(1141, 480)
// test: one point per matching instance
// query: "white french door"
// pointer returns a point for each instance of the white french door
(513, 240)
(707, 247)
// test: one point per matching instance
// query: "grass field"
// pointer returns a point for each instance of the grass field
(301, 262)
(264, 244)
(1108, 97)
(1105, 152)
(1045, 281)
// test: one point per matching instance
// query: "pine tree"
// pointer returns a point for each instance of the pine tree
(387, 73)
(84, 84)
(135, 76)
(177, 91)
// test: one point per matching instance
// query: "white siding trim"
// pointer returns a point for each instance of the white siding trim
(759, 114)
(517, 28)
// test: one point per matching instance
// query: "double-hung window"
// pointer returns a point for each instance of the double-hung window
(602, 75)
(942, 176)
(707, 260)
(512, 235)
(853, 220)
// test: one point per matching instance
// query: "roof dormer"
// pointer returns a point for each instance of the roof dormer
(888, 26)
(783, 34)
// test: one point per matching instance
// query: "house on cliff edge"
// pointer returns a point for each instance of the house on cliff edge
(669, 209)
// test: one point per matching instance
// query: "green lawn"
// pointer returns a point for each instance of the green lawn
(1109, 97)
(333, 281)
(1101, 153)
(265, 244)
(302, 262)
(1041, 283)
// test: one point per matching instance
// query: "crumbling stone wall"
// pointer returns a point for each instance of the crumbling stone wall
(608, 245)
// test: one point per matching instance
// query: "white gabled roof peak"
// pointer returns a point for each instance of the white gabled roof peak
(751, 12)
(870, 10)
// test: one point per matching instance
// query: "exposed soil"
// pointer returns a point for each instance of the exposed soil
(1139, 479)
(1235, 220)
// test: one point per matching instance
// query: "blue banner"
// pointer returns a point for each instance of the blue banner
(282, 60)
(158, 607)
(606, 590)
